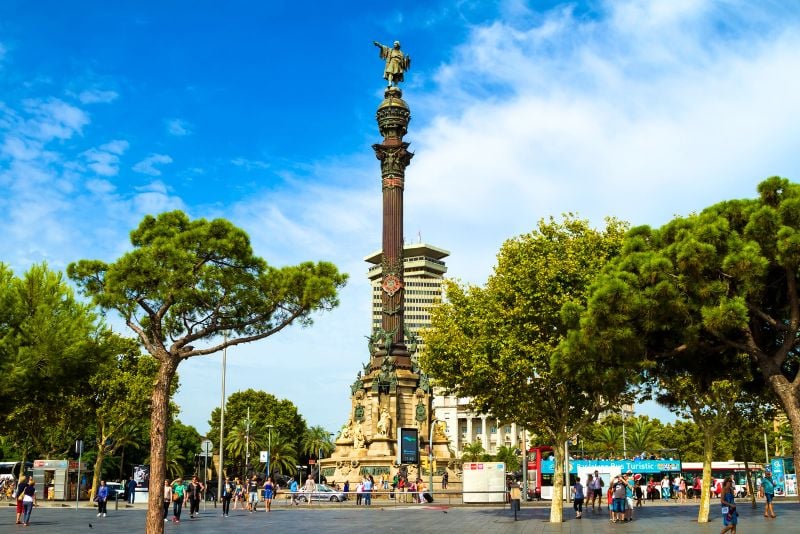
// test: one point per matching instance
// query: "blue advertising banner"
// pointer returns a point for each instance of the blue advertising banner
(778, 476)
(634, 466)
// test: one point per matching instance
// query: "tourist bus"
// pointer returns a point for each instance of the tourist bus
(541, 469)
(12, 469)
(719, 472)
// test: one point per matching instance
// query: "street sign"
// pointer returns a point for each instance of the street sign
(206, 447)
(263, 457)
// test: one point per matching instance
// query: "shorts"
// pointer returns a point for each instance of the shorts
(731, 518)
(253, 496)
(769, 497)
(630, 502)
(618, 506)
(267, 494)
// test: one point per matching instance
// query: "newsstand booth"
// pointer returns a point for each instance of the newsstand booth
(58, 479)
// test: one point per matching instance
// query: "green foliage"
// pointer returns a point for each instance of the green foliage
(505, 345)
(473, 452)
(508, 455)
(695, 295)
(184, 284)
(265, 409)
(315, 439)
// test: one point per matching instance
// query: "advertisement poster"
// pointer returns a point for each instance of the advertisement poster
(141, 474)
(791, 485)
(778, 476)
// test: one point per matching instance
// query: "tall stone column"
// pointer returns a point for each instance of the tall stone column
(393, 117)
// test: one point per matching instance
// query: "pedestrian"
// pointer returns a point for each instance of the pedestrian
(194, 494)
(131, 486)
(18, 496)
(346, 489)
(310, 488)
(102, 499)
(252, 494)
(227, 493)
(237, 492)
(293, 488)
(637, 490)
(359, 492)
(597, 491)
(618, 504)
(577, 502)
(178, 499)
(769, 493)
(28, 501)
(445, 479)
(628, 479)
(730, 517)
(269, 491)
(167, 498)
(368, 485)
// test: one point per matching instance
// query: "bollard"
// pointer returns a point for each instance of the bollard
(116, 501)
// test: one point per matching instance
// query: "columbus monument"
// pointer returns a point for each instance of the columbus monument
(390, 393)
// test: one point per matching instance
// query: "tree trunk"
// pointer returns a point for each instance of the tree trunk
(158, 444)
(791, 405)
(705, 491)
(557, 507)
(98, 467)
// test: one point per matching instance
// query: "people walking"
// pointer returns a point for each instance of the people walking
(238, 493)
(194, 494)
(730, 517)
(28, 501)
(102, 499)
(252, 494)
(768, 485)
(227, 493)
(269, 492)
(178, 499)
(577, 502)
(18, 495)
(293, 487)
(310, 488)
(445, 478)
(597, 491)
(167, 498)
(131, 487)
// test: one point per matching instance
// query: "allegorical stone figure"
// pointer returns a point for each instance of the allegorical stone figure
(396, 62)
(384, 423)
(359, 441)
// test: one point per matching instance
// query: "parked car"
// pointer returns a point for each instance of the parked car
(115, 489)
(322, 493)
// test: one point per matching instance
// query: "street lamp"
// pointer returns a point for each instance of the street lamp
(222, 420)
(269, 449)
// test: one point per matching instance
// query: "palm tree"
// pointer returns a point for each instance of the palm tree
(472, 452)
(641, 435)
(609, 438)
(239, 441)
(283, 456)
(508, 456)
(316, 438)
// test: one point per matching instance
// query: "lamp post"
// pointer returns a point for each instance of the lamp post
(222, 421)
(430, 455)
(269, 449)
(624, 443)
(247, 445)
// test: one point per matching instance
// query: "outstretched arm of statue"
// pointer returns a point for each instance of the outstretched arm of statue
(376, 43)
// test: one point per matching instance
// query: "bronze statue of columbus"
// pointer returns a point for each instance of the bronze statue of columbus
(396, 62)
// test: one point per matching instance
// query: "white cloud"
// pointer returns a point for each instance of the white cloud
(250, 164)
(147, 165)
(53, 119)
(178, 127)
(97, 96)
(104, 160)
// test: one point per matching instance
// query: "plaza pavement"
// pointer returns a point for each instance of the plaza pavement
(405, 518)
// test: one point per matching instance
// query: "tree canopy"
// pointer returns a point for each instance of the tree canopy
(695, 294)
(504, 345)
(183, 284)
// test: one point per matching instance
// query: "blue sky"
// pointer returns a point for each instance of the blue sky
(263, 113)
